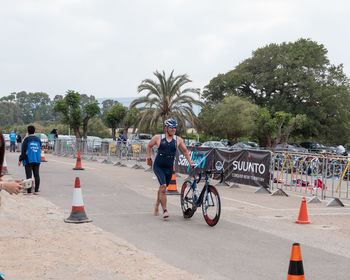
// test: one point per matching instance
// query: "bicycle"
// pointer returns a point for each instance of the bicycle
(209, 198)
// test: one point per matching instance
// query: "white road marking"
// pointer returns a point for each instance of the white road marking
(121, 213)
(248, 203)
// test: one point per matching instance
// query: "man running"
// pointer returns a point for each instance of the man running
(163, 164)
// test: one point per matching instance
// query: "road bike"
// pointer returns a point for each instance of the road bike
(208, 198)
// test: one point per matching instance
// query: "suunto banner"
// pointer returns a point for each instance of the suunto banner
(246, 167)
(222, 161)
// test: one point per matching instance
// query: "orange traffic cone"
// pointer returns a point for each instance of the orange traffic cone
(4, 169)
(296, 270)
(78, 214)
(78, 163)
(303, 218)
(172, 188)
(42, 155)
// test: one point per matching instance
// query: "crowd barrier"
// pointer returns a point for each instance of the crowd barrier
(323, 176)
(91, 150)
(315, 174)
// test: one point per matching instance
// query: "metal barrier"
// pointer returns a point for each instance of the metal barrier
(315, 174)
(97, 149)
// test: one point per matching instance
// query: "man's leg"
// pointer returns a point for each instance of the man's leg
(162, 181)
(162, 192)
(156, 205)
(36, 168)
(28, 168)
(163, 199)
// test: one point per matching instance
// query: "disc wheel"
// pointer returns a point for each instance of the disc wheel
(188, 204)
(211, 206)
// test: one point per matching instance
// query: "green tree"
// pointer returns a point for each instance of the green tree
(106, 106)
(131, 120)
(10, 114)
(295, 78)
(272, 130)
(231, 118)
(217, 89)
(85, 99)
(166, 99)
(75, 114)
(97, 128)
(89, 111)
(56, 115)
(114, 117)
(34, 106)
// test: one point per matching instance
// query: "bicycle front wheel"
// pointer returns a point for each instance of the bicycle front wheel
(187, 199)
(211, 206)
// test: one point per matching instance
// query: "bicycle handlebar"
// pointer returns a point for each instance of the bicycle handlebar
(210, 172)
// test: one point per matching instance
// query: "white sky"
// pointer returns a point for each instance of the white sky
(107, 47)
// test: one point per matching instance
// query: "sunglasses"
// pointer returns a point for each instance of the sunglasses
(172, 126)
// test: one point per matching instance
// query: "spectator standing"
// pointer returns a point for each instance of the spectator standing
(121, 139)
(19, 142)
(31, 157)
(55, 133)
(12, 141)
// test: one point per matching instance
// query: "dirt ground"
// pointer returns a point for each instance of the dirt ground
(35, 243)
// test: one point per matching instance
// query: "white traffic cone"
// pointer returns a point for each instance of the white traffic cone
(4, 167)
(78, 214)
(42, 155)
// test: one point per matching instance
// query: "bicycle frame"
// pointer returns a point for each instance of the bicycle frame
(199, 199)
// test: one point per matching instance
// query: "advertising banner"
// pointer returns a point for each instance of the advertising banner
(246, 167)
(223, 162)
(204, 157)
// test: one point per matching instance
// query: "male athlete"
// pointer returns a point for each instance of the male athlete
(163, 164)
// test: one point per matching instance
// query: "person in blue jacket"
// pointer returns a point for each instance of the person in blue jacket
(12, 141)
(31, 157)
(121, 139)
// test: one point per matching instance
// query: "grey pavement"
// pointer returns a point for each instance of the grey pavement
(252, 240)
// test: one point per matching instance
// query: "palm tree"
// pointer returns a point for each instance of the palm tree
(165, 99)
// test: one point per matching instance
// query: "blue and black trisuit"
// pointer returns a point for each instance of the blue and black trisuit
(31, 159)
(164, 162)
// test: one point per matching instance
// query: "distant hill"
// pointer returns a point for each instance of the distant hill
(125, 101)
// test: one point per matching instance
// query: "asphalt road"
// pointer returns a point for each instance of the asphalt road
(120, 200)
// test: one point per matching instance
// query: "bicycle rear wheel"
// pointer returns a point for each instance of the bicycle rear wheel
(188, 204)
(211, 206)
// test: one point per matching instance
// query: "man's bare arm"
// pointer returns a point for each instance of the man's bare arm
(151, 144)
(184, 150)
